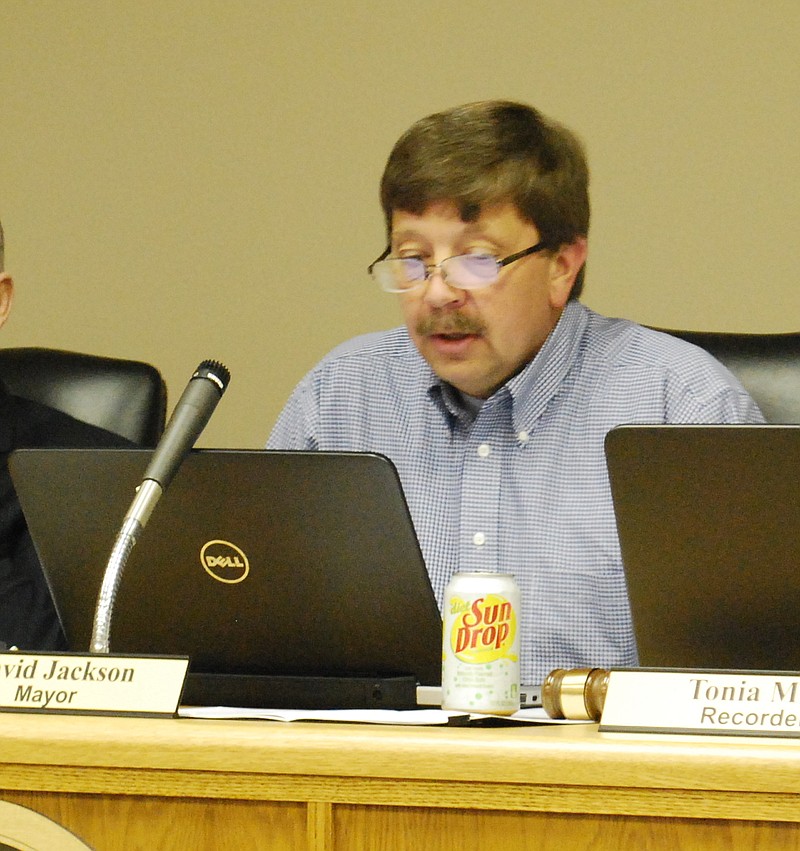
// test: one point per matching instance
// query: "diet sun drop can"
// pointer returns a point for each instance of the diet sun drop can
(480, 646)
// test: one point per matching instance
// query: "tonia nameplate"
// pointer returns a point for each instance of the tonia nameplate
(722, 703)
(72, 682)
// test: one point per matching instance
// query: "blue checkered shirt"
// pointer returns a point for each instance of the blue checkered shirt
(522, 486)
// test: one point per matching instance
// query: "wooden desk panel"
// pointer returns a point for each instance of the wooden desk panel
(128, 823)
(129, 783)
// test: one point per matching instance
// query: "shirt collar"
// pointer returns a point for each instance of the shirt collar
(449, 402)
(532, 389)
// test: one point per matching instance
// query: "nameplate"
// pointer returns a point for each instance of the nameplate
(717, 703)
(91, 683)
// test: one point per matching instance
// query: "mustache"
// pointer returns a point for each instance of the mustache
(452, 323)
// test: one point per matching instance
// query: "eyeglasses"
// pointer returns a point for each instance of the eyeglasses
(463, 271)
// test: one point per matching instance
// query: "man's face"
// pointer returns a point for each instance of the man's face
(477, 339)
(6, 296)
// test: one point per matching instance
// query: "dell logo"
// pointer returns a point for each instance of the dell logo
(224, 561)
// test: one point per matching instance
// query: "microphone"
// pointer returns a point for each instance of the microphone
(191, 414)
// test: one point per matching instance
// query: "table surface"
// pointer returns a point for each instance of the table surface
(574, 755)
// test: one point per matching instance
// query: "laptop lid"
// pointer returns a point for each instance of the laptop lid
(253, 562)
(709, 527)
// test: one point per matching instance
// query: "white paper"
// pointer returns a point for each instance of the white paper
(419, 717)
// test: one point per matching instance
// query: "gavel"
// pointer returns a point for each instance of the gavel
(577, 694)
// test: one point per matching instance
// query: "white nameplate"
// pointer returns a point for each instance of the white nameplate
(91, 683)
(722, 703)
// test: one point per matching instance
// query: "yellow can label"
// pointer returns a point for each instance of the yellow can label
(482, 630)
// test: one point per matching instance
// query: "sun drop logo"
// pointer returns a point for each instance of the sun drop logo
(224, 561)
(483, 630)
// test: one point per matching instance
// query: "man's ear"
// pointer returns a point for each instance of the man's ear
(566, 263)
(6, 296)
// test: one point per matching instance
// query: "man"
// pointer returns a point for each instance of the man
(494, 400)
(27, 617)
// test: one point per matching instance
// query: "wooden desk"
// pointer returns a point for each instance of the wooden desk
(124, 784)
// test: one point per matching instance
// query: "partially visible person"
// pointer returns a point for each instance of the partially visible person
(28, 618)
(494, 400)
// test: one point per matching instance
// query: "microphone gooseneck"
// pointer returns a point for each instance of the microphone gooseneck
(191, 414)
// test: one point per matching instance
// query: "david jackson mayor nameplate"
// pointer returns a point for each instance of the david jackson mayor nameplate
(91, 683)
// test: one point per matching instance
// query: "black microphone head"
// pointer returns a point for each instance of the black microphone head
(214, 371)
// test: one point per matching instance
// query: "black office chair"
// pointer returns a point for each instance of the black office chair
(768, 365)
(124, 396)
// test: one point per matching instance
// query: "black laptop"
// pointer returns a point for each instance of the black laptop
(288, 578)
(709, 526)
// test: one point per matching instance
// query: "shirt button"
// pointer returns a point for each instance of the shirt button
(523, 437)
(479, 539)
(484, 450)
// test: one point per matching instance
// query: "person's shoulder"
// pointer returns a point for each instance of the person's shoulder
(627, 343)
(695, 385)
(393, 341)
(370, 350)
(40, 426)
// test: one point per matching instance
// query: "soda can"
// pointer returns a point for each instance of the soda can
(480, 647)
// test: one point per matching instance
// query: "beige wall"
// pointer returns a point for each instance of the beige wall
(182, 179)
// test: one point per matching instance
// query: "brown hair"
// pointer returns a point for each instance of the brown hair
(488, 153)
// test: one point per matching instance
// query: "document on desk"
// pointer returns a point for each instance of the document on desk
(413, 717)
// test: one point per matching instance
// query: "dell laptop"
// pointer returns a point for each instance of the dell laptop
(290, 579)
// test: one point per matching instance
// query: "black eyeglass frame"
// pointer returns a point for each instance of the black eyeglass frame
(542, 245)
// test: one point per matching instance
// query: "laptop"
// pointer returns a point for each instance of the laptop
(290, 579)
(709, 528)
